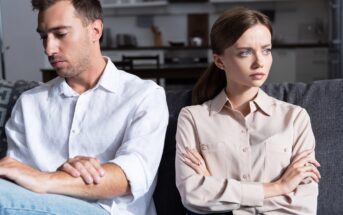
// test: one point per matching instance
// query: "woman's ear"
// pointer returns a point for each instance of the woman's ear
(217, 60)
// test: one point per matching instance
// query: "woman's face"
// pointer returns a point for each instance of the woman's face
(247, 62)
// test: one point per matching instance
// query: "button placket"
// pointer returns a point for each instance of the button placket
(78, 111)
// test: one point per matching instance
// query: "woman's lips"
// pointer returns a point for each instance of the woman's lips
(257, 76)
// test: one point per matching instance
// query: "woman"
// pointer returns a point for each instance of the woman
(240, 151)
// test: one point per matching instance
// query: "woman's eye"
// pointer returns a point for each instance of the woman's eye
(245, 53)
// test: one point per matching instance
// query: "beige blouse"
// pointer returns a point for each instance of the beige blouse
(242, 153)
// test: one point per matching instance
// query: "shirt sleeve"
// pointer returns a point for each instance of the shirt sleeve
(141, 150)
(304, 199)
(203, 194)
(15, 133)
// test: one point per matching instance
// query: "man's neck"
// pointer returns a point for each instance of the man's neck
(88, 79)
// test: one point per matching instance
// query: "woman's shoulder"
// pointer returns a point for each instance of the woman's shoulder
(288, 107)
(197, 109)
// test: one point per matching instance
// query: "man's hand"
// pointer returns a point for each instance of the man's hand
(23, 175)
(88, 168)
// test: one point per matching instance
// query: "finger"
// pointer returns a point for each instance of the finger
(306, 180)
(197, 154)
(93, 172)
(97, 165)
(302, 155)
(316, 171)
(304, 161)
(311, 171)
(84, 173)
(66, 167)
(315, 163)
(313, 176)
(191, 156)
(189, 163)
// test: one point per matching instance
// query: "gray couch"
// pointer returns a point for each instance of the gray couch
(322, 99)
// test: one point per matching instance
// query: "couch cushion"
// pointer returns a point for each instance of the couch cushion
(9, 93)
(166, 196)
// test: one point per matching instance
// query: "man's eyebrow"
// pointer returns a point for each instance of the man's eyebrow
(53, 29)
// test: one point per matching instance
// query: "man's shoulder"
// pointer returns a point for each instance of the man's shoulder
(41, 90)
(132, 84)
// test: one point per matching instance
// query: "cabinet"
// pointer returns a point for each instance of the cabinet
(131, 3)
(312, 64)
(284, 66)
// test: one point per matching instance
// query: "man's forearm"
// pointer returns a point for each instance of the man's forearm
(114, 183)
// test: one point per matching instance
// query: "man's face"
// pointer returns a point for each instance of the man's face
(66, 39)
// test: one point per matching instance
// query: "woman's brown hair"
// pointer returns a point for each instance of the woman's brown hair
(226, 30)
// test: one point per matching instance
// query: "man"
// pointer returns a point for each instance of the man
(89, 141)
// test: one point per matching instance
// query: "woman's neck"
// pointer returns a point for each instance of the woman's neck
(240, 97)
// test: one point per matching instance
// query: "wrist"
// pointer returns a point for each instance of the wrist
(273, 189)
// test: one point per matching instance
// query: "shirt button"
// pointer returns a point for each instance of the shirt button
(74, 131)
(242, 131)
(245, 149)
(245, 176)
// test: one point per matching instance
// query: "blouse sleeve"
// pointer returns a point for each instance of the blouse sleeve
(304, 199)
(203, 194)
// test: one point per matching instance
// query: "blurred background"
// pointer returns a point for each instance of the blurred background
(168, 40)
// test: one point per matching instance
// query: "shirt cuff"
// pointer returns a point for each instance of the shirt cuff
(134, 173)
(252, 194)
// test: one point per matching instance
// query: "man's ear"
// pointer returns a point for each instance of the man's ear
(217, 60)
(96, 28)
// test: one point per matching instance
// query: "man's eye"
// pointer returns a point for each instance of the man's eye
(43, 37)
(60, 35)
(267, 51)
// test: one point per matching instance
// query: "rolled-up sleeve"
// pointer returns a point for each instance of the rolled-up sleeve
(141, 151)
(203, 194)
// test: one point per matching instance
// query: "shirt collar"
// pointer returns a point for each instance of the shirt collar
(109, 80)
(264, 102)
(261, 101)
(110, 77)
(218, 102)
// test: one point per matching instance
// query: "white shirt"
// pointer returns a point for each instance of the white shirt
(122, 119)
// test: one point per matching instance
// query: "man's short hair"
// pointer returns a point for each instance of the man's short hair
(88, 10)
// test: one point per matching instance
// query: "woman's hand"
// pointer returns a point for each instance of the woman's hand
(302, 168)
(194, 160)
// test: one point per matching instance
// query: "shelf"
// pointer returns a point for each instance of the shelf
(156, 48)
(275, 45)
(134, 5)
(243, 1)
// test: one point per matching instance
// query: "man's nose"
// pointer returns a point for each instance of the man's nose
(50, 46)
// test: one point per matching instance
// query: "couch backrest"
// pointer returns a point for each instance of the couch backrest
(322, 99)
(324, 102)
(9, 93)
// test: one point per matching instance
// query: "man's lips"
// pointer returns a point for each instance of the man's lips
(57, 63)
